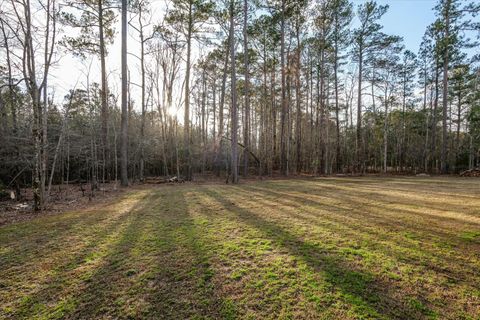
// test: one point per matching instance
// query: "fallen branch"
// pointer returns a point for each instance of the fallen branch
(241, 145)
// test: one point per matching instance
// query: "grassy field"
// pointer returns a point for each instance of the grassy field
(331, 248)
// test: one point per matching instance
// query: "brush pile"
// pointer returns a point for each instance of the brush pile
(160, 180)
(471, 173)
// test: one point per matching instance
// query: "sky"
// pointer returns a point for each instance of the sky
(408, 19)
(405, 18)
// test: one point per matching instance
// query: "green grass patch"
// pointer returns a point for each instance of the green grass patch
(470, 235)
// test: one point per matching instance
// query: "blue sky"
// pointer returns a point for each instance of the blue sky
(408, 19)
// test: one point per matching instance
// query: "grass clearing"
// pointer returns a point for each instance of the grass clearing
(330, 248)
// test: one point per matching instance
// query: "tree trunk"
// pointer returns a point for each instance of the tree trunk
(142, 125)
(124, 122)
(246, 131)
(104, 93)
(337, 107)
(385, 133)
(298, 97)
(283, 124)
(359, 140)
(186, 125)
(443, 161)
(234, 124)
(219, 153)
(435, 119)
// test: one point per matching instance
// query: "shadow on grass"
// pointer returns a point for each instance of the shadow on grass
(159, 268)
(158, 260)
(151, 261)
(362, 209)
(412, 253)
(367, 295)
(183, 287)
(32, 239)
(417, 194)
(102, 290)
(54, 295)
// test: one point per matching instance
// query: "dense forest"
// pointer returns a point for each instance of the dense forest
(234, 88)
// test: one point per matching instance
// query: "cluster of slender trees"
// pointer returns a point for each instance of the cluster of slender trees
(272, 86)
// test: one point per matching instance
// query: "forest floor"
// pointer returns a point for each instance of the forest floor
(63, 198)
(327, 248)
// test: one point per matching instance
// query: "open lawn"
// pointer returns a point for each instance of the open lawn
(329, 248)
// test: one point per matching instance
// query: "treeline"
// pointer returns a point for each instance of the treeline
(264, 86)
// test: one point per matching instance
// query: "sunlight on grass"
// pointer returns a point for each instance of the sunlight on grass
(334, 248)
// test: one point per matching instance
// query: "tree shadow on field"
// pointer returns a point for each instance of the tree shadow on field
(43, 233)
(368, 296)
(61, 262)
(102, 292)
(362, 209)
(417, 195)
(183, 287)
(153, 261)
(363, 225)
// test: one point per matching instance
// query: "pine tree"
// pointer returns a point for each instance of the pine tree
(365, 39)
(453, 21)
(124, 122)
(188, 17)
(342, 12)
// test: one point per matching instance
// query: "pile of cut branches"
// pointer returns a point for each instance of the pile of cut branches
(471, 173)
